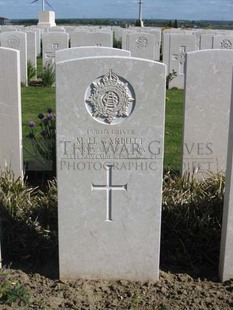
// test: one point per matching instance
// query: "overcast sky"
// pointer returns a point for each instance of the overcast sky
(167, 9)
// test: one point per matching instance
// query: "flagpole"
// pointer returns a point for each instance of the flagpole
(42, 5)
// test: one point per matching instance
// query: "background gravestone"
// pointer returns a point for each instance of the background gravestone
(166, 42)
(179, 46)
(206, 41)
(87, 38)
(141, 45)
(88, 51)
(31, 48)
(157, 34)
(10, 112)
(110, 132)
(17, 40)
(206, 111)
(223, 42)
(38, 33)
(52, 42)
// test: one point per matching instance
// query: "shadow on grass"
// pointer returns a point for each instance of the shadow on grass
(25, 248)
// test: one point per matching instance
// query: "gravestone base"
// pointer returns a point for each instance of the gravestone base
(46, 19)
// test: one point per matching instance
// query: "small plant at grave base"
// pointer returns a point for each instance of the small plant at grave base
(48, 75)
(31, 71)
(191, 219)
(11, 291)
(29, 218)
(43, 138)
(170, 77)
(116, 43)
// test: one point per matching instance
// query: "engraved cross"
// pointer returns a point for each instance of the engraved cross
(180, 58)
(109, 188)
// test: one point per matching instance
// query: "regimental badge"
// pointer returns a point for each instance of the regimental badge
(226, 44)
(13, 41)
(141, 42)
(110, 99)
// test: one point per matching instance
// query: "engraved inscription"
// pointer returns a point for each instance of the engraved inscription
(49, 58)
(13, 41)
(226, 44)
(110, 99)
(141, 42)
(109, 188)
(49, 55)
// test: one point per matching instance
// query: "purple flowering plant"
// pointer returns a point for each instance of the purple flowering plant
(42, 135)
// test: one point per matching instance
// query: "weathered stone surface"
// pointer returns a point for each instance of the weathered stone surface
(52, 42)
(17, 40)
(226, 250)
(10, 112)
(110, 133)
(88, 51)
(87, 38)
(206, 112)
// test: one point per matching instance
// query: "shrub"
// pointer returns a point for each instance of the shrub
(48, 75)
(191, 220)
(31, 71)
(116, 43)
(29, 219)
(170, 77)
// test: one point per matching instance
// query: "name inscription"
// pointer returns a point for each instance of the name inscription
(123, 149)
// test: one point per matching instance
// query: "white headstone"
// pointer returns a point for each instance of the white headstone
(206, 111)
(10, 112)
(157, 34)
(87, 38)
(57, 29)
(223, 42)
(31, 48)
(17, 40)
(5, 28)
(38, 33)
(141, 45)
(226, 250)
(179, 46)
(52, 42)
(88, 51)
(206, 41)
(110, 132)
(124, 37)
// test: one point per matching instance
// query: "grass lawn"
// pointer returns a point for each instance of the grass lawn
(173, 130)
(36, 100)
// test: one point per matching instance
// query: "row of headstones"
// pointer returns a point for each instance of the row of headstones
(107, 141)
(144, 44)
(29, 45)
(176, 44)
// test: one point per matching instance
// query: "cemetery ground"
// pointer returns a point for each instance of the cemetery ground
(190, 239)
